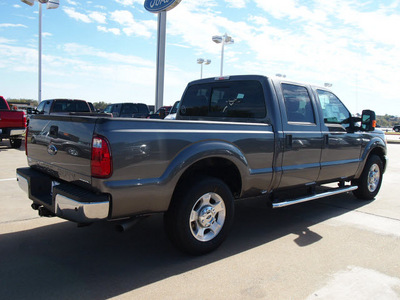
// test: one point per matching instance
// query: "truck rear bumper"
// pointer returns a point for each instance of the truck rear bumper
(6, 133)
(14, 132)
(64, 200)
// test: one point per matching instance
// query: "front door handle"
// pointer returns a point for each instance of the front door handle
(289, 141)
(326, 140)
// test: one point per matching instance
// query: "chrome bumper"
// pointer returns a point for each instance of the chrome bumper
(23, 183)
(63, 200)
(81, 212)
(17, 132)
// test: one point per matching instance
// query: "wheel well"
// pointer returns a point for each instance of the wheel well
(381, 154)
(213, 167)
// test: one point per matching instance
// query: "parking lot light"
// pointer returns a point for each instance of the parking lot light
(224, 40)
(50, 4)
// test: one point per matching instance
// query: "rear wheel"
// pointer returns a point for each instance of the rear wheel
(72, 151)
(200, 216)
(370, 180)
(15, 143)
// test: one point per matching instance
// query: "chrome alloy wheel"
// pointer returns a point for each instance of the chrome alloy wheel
(374, 175)
(207, 217)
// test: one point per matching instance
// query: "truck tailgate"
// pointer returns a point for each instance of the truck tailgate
(61, 146)
(12, 119)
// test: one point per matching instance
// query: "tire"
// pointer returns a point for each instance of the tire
(15, 143)
(72, 151)
(200, 216)
(370, 180)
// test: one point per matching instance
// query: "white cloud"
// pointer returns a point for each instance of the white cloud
(72, 13)
(130, 26)
(5, 25)
(236, 3)
(129, 2)
(17, 6)
(77, 50)
(115, 31)
(6, 41)
(99, 17)
(71, 2)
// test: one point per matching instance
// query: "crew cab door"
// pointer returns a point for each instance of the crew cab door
(302, 138)
(342, 145)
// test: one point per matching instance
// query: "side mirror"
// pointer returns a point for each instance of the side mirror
(368, 120)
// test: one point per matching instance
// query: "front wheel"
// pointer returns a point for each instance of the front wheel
(370, 180)
(200, 216)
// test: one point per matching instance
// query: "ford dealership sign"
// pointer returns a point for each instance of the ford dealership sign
(156, 6)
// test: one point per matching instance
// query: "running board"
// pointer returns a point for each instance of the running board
(314, 197)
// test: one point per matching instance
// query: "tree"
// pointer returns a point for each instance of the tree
(100, 105)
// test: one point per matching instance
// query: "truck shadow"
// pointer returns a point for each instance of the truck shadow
(64, 262)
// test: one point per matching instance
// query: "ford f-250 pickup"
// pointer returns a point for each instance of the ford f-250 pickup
(235, 137)
(12, 124)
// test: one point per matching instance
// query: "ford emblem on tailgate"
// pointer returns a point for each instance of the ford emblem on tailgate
(52, 150)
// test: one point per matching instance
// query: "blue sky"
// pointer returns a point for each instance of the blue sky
(105, 50)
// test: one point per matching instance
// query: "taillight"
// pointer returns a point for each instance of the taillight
(26, 141)
(101, 163)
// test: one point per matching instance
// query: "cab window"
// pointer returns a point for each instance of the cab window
(241, 100)
(47, 107)
(333, 110)
(298, 104)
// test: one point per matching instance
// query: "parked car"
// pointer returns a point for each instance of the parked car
(12, 124)
(161, 113)
(62, 106)
(236, 137)
(172, 113)
(396, 128)
(128, 110)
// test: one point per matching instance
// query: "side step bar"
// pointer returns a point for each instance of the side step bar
(314, 197)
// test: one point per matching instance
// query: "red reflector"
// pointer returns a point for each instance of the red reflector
(101, 163)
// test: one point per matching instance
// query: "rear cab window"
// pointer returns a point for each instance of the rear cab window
(70, 106)
(224, 101)
(298, 104)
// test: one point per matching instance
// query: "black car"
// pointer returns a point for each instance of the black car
(396, 128)
(128, 110)
(62, 106)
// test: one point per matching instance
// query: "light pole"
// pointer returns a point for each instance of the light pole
(201, 61)
(224, 40)
(50, 4)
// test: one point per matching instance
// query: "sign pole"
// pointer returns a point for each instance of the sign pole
(160, 7)
(161, 40)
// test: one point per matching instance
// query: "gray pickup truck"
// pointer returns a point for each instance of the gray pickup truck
(233, 138)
